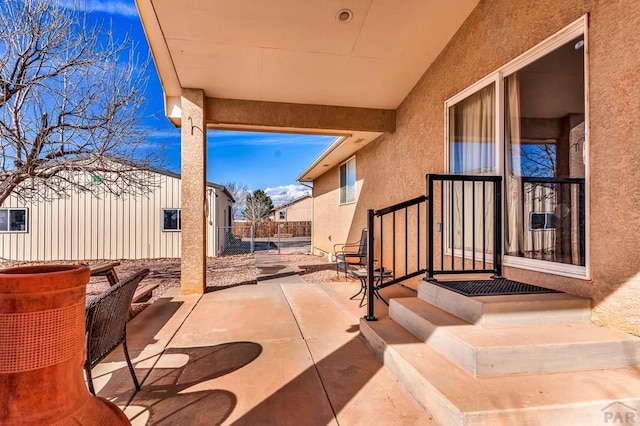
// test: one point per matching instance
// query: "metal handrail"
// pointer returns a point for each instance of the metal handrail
(496, 182)
(371, 272)
(372, 215)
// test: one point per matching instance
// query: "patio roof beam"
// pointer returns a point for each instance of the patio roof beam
(299, 116)
(243, 114)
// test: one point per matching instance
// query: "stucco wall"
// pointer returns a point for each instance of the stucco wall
(297, 211)
(392, 169)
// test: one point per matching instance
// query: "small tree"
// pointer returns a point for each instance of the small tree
(70, 101)
(239, 193)
(258, 206)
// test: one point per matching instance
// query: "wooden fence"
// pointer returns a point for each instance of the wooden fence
(270, 229)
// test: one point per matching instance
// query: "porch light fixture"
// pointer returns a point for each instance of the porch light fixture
(344, 15)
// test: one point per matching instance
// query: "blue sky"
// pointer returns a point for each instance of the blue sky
(258, 160)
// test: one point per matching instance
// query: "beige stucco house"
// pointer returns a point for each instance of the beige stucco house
(385, 80)
(101, 225)
(298, 210)
(538, 97)
(555, 83)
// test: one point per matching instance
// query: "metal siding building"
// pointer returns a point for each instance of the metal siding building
(87, 227)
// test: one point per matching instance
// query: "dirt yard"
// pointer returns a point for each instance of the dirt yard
(222, 272)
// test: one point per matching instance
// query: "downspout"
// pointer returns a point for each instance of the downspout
(214, 221)
(313, 207)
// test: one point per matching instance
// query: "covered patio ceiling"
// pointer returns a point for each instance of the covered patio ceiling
(337, 67)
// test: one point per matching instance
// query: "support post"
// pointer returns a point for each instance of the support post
(193, 193)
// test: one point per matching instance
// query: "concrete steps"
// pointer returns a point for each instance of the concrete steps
(508, 311)
(455, 397)
(515, 350)
(522, 359)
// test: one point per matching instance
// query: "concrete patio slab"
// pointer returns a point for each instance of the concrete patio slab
(253, 313)
(316, 313)
(270, 269)
(340, 293)
(282, 354)
(156, 327)
(360, 389)
(252, 383)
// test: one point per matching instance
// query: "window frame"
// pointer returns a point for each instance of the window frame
(179, 228)
(345, 185)
(577, 28)
(282, 215)
(548, 221)
(26, 220)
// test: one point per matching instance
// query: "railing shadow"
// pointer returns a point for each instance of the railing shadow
(301, 392)
(310, 269)
(212, 288)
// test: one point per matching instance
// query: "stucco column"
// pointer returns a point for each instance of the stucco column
(193, 192)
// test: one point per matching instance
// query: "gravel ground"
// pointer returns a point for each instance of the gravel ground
(222, 272)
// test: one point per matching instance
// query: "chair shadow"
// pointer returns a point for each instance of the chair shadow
(175, 391)
(197, 408)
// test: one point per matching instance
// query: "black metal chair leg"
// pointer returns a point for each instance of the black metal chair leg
(131, 370)
(362, 288)
(87, 371)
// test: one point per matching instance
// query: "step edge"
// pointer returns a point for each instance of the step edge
(586, 410)
(476, 360)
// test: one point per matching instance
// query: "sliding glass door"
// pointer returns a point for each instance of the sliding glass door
(544, 110)
(527, 122)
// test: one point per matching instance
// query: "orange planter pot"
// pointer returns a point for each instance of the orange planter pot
(42, 349)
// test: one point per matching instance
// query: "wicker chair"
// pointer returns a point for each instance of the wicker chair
(106, 324)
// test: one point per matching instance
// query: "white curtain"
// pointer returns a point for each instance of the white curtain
(472, 152)
(472, 133)
(513, 194)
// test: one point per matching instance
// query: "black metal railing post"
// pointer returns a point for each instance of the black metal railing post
(430, 224)
(497, 229)
(370, 266)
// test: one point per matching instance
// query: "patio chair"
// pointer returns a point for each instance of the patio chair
(106, 324)
(351, 254)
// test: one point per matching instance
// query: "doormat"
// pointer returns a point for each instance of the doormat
(495, 287)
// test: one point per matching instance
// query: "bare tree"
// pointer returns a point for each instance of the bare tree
(239, 193)
(70, 101)
(258, 206)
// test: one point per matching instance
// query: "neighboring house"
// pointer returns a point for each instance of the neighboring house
(84, 227)
(298, 210)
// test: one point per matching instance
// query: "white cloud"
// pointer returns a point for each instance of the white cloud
(124, 8)
(230, 137)
(284, 193)
(165, 134)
